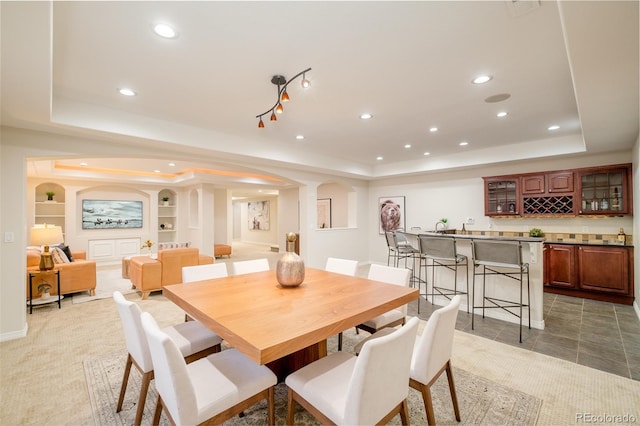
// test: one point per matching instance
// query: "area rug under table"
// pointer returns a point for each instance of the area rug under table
(482, 401)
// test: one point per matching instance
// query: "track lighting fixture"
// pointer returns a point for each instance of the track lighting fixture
(283, 96)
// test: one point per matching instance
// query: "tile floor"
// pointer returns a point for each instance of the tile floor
(601, 335)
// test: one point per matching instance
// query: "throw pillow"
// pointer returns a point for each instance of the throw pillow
(67, 251)
(58, 255)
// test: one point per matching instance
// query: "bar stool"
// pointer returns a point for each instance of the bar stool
(442, 251)
(413, 253)
(489, 255)
(399, 248)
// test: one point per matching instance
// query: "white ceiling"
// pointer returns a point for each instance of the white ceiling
(410, 64)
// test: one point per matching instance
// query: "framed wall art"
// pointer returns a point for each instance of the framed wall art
(391, 213)
(111, 214)
(258, 215)
(324, 213)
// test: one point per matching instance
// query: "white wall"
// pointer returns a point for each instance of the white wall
(456, 195)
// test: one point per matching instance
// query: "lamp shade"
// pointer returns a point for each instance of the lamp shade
(46, 235)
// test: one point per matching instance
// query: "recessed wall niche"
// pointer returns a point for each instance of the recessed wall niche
(336, 207)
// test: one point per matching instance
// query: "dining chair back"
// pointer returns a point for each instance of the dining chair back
(368, 389)
(432, 356)
(212, 389)
(394, 317)
(195, 340)
(249, 266)
(342, 266)
(204, 272)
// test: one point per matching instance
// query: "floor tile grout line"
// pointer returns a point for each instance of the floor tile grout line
(624, 349)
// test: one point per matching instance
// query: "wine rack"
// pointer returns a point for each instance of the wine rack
(548, 205)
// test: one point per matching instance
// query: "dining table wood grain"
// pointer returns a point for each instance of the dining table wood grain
(267, 322)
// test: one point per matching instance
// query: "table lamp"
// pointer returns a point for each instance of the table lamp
(46, 235)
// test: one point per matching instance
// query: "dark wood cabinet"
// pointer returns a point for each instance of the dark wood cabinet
(605, 190)
(560, 268)
(501, 196)
(560, 182)
(590, 271)
(604, 269)
(533, 184)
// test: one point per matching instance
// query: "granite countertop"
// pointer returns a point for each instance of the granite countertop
(470, 236)
(569, 239)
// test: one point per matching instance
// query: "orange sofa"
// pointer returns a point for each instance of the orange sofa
(147, 274)
(76, 276)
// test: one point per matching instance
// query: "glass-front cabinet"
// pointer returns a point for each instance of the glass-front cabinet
(501, 196)
(605, 191)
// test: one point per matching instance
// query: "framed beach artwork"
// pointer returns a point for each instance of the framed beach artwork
(391, 213)
(258, 215)
(324, 213)
(111, 214)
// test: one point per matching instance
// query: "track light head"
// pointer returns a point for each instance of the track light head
(273, 116)
(260, 123)
(285, 96)
(279, 108)
(305, 83)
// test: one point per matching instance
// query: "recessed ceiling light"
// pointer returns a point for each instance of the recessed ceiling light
(427, 153)
(379, 158)
(554, 127)
(433, 129)
(464, 143)
(365, 116)
(501, 114)
(83, 164)
(164, 30)
(481, 79)
(407, 146)
(300, 137)
(172, 164)
(126, 92)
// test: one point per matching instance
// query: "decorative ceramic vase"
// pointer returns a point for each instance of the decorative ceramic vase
(45, 294)
(290, 267)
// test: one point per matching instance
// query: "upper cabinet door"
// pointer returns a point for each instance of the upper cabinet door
(501, 196)
(559, 182)
(605, 191)
(533, 184)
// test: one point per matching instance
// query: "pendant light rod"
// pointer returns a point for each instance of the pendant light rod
(282, 84)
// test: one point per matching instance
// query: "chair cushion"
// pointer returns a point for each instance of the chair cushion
(312, 381)
(387, 318)
(224, 379)
(192, 337)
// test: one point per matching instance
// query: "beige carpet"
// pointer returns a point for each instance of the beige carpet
(108, 280)
(482, 401)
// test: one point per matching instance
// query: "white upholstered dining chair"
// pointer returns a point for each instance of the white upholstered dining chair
(249, 266)
(364, 390)
(211, 389)
(203, 272)
(344, 267)
(394, 317)
(432, 356)
(192, 339)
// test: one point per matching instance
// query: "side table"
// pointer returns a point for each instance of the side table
(40, 300)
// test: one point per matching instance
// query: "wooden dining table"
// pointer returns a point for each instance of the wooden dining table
(285, 327)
